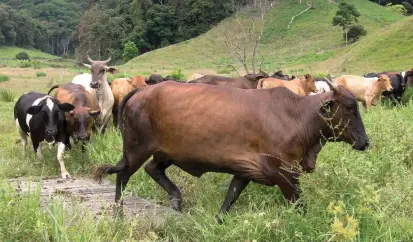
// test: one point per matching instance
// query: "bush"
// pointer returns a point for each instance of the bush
(4, 78)
(22, 56)
(24, 63)
(355, 32)
(398, 8)
(178, 75)
(36, 64)
(130, 51)
(408, 7)
(6, 95)
(224, 70)
(40, 74)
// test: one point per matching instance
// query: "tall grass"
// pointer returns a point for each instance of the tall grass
(4, 78)
(7, 95)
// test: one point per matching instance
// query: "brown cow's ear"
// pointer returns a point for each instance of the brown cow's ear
(112, 70)
(307, 76)
(94, 114)
(66, 107)
(33, 110)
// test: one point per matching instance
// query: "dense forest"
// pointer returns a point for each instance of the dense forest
(68, 27)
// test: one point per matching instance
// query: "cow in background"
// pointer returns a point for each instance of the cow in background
(367, 90)
(97, 84)
(302, 86)
(280, 75)
(322, 86)
(43, 118)
(398, 82)
(248, 81)
(79, 121)
(122, 86)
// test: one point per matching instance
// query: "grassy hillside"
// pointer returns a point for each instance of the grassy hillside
(310, 39)
(7, 52)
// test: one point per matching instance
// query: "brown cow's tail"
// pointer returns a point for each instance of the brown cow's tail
(52, 88)
(101, 171)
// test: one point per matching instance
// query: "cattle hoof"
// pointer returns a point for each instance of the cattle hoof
(219, 220)
(66, 175)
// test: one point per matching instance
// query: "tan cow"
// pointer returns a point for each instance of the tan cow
(194, 77)
(366, 90)
(302, 86)
(122, 86)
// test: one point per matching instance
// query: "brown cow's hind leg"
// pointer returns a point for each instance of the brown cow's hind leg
(235, 188)
(156, 169)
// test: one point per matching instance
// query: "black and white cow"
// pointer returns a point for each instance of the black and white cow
(43, 118)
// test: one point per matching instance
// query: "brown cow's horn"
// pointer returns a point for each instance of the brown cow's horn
(88, 57)
(329, 82)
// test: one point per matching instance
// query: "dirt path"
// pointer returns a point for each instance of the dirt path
(88, 194)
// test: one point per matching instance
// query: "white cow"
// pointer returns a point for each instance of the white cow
(322, 87)
(97, 84)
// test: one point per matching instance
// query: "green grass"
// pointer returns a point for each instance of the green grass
(40, 74)
(7, 52)
(4, 78)
(7, 95)
(311, 39)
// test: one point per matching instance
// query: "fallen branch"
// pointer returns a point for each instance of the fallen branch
(305, 10)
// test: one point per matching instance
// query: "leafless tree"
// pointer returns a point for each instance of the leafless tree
(243, 41)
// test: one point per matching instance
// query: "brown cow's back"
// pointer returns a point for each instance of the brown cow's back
(300, 86)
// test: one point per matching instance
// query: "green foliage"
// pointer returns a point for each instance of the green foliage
(408, 6)
(23, 63)
(7, 95)
(224, 69)
(397, 8)
(130, 51)
(40, 74)
(22, 56)
(355, 32)
(4, 78)
(177, 74)
(36, 64)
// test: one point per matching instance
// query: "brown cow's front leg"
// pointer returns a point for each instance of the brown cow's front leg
(235, 188)
(156, 169)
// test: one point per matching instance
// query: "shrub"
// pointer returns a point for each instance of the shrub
(6, 95)
(398, 8)
(224, 70)
(4, 78)
(23, 63)
(355, 32)
(178, 75)
(36, 64)
(130, 51)
(40, 74)
(22, 56)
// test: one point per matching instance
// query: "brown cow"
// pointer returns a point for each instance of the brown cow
(266, 136)
(248, 81)
(79, 121)
(367, 90)
(302, 86)
(122, 86)
(409, 75)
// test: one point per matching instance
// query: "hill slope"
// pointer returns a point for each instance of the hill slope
(310, 39)
(7, 52)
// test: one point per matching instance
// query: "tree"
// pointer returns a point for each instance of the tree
(130, 51)
(346, 17)
(355, 32)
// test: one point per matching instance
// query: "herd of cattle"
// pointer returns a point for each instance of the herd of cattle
(268, 136)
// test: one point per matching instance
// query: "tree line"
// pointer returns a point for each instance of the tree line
(406, 4)
(106, 27)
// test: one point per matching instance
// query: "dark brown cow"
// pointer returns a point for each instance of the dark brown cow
(79, 121)
(122, 86)
(409, 75)
(268, 136)
(248, 81)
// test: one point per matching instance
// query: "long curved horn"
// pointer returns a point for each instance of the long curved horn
(110, 58)
(330, 83)
(88, 57)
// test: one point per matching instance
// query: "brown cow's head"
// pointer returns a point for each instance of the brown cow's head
(409, 78)
(81, 121)
(99, 71)
(384, 82)
(346, 117)
(309, 83)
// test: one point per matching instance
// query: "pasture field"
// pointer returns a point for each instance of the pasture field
(351, 195)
